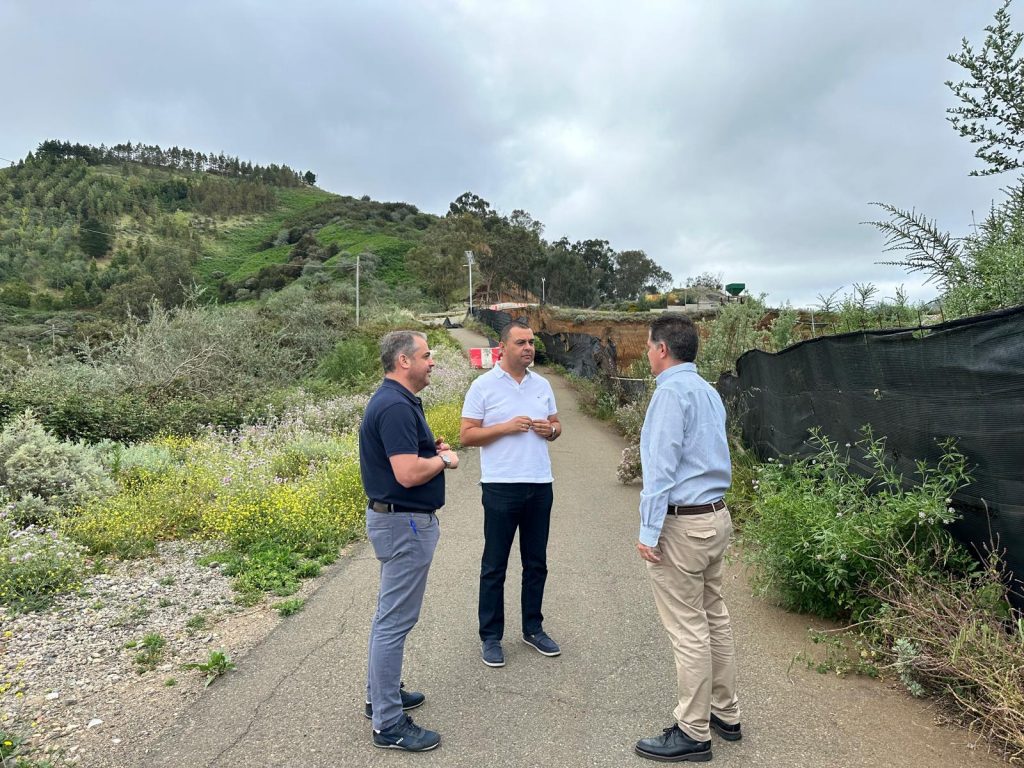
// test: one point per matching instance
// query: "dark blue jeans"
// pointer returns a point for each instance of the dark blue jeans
(509, 507)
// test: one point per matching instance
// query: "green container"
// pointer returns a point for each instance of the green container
(735, 289)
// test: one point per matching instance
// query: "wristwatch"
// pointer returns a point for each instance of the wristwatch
(446, 460)
(554, 432)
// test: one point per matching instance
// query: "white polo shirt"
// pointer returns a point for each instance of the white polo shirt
(495, 397)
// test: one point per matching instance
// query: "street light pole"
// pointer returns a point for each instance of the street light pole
(469, 263)
(357, 290)
(543, 282)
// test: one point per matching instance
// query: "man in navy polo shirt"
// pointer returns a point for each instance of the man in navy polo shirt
(402, 468)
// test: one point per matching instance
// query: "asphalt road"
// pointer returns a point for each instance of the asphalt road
(297, 699)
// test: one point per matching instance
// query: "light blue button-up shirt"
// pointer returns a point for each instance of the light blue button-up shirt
(683, 448)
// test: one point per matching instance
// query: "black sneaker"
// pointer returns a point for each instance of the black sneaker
(409, 701)
(674, 746)
(492, 654)
(542, 643)
(405, 734)
(726, 731)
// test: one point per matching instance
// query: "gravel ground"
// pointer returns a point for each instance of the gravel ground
(70, 681)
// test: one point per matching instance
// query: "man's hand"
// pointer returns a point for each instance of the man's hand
(650, 554)
(442, 446)
(543, 427)
(518, 424)
(452, 456)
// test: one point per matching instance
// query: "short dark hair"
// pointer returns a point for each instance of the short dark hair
(398, 343)
(517, 323)
(679, 334)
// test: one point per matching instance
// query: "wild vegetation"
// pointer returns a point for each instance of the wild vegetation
(983, 270)
(182, 360)
(838, 543)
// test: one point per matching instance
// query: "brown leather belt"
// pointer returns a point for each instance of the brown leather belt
(380, 506)
(696, 509)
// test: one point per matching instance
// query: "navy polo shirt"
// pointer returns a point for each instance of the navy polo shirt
(394, 424)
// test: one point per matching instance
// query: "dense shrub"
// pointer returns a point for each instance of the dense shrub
(227, 486)
(330, 415)
(354, 363)
(43, 476)
(819, 532)
(450, 379)
(957, 636)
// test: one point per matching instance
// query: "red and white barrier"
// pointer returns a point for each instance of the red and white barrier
(484, 357)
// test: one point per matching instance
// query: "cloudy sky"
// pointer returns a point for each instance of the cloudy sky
(740, 137)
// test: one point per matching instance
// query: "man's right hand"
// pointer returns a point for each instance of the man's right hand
(518, 424)
(650, 554)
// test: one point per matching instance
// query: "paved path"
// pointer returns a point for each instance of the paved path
(296, 700)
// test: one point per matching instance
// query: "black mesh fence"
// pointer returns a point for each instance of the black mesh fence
(963, 379)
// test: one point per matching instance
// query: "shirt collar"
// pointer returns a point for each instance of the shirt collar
(673, 371)
(392, 384)
(502, 372)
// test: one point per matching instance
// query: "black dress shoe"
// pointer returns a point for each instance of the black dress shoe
(726, 731)
(674, 746)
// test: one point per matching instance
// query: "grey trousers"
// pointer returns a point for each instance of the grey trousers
(404, 543)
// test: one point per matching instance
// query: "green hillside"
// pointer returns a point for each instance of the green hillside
(89, 232)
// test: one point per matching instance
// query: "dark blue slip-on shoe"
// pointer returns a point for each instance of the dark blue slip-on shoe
(542, 643)
(492, 654)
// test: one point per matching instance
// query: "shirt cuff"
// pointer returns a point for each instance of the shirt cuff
(649, 535)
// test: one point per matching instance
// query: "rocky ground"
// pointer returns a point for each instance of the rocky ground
(76, 679)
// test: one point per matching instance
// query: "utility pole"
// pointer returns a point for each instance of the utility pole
(357, 290)
(469, 263)
(543, 282)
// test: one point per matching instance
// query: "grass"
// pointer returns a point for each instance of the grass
(151, 652)
(355, 241)
(390, 250)
(236, 250)
(289, 607)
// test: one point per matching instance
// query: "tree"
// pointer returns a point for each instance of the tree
(516, 254)
(437, 260)
(309, 177)
(634, 270)
(992, 113)
(474, 205)
(569, 280)
(95, 238)
(705, 280)
(600, 261)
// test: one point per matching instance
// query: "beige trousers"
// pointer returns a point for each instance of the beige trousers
(687, 586)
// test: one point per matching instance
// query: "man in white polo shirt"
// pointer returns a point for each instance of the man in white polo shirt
(510, 413)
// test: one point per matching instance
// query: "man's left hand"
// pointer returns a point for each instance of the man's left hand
(543, 427)
(650, 554)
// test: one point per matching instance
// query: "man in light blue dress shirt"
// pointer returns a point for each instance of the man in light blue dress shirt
(685, 528)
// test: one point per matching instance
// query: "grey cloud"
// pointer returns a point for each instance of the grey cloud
(736, 137)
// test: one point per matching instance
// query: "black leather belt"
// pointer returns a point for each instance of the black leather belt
(380, 506)
(696, 509)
